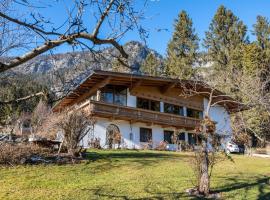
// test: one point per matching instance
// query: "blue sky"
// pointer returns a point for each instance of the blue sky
(160, 14)
(201, 11)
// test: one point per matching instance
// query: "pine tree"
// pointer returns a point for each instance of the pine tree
(225, 34)
(182, 49)
(117, 66)
(151, 65)
(262, 32)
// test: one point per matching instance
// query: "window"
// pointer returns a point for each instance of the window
(181, 136)
(194, 113)
(114, 94)
(145, 134)
(173, 109)
(148, 104)
(191, 139)
(168, 136)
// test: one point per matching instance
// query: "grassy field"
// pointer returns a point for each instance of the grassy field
(134, 175)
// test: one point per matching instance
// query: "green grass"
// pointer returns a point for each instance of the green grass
(134, 175)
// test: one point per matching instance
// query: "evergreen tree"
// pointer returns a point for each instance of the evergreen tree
(262, 32)
(225, 34)
(182, 49)
(117, 66)
(151, 65)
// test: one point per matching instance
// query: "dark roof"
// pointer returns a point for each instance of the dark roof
(128, 79)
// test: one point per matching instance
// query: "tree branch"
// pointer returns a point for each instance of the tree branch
(16, 21)
(23, 98)
(54, 43)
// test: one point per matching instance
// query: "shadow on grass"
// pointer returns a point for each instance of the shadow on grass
(262, 183)
(101, 193)
(93, 156)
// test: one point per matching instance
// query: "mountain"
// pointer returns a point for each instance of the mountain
(63, 72)
(99, 60)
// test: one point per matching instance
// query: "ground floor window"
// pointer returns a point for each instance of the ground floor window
(194, 139)
(145, 134)
(169, 137)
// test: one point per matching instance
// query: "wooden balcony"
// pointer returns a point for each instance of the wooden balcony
(112, 111)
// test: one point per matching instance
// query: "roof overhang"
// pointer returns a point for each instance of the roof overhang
(98, 79)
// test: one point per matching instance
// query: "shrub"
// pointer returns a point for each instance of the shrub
(95, 143)
(162, 146)
(12, 154)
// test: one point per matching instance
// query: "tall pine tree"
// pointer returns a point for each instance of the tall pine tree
(225, 34)
(262, 33)
(182, 50)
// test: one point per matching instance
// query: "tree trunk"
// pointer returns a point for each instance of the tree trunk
(204, 180)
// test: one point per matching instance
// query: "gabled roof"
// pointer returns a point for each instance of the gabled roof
(98, 79)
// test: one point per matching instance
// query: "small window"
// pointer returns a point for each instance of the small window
(173, 109)
(168, 136)
(191, 139)
(148, 104)
(181, 136)
(194, 113)
(145, 134)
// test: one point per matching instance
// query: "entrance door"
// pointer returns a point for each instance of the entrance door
(113, 136)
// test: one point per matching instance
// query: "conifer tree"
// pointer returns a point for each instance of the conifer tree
(119, 67)
(182, 49)
(151, 65)
(226, 32)
(262, 32)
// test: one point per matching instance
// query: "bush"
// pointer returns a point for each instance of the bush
(13, 154)
(162, 146)
(95, 143)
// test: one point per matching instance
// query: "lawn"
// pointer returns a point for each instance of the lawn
(134, 175)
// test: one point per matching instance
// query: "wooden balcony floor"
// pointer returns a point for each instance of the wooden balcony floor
(101, 109)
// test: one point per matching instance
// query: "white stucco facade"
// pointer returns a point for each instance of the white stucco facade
(222, 118)
(130, 132)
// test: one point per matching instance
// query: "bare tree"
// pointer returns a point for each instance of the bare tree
(206, 156)
(116, 16)
(73, 124)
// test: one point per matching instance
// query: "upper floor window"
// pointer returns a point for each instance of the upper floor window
(114, 94)
(194, 113)
(173, 109)
(148, 104)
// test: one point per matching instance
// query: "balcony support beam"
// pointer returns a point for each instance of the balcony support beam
(94, 89)
(134, 86)
(166, 88)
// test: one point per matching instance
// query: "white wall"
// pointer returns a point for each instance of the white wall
(131, 100)
(126, 129)
(220, 115)
(217, 113)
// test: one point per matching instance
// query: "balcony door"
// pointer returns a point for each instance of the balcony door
(114, 94)
(148, 104)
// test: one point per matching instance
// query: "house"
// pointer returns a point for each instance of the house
(146, 109)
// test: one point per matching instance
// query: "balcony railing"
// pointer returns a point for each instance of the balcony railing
(102, 109)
